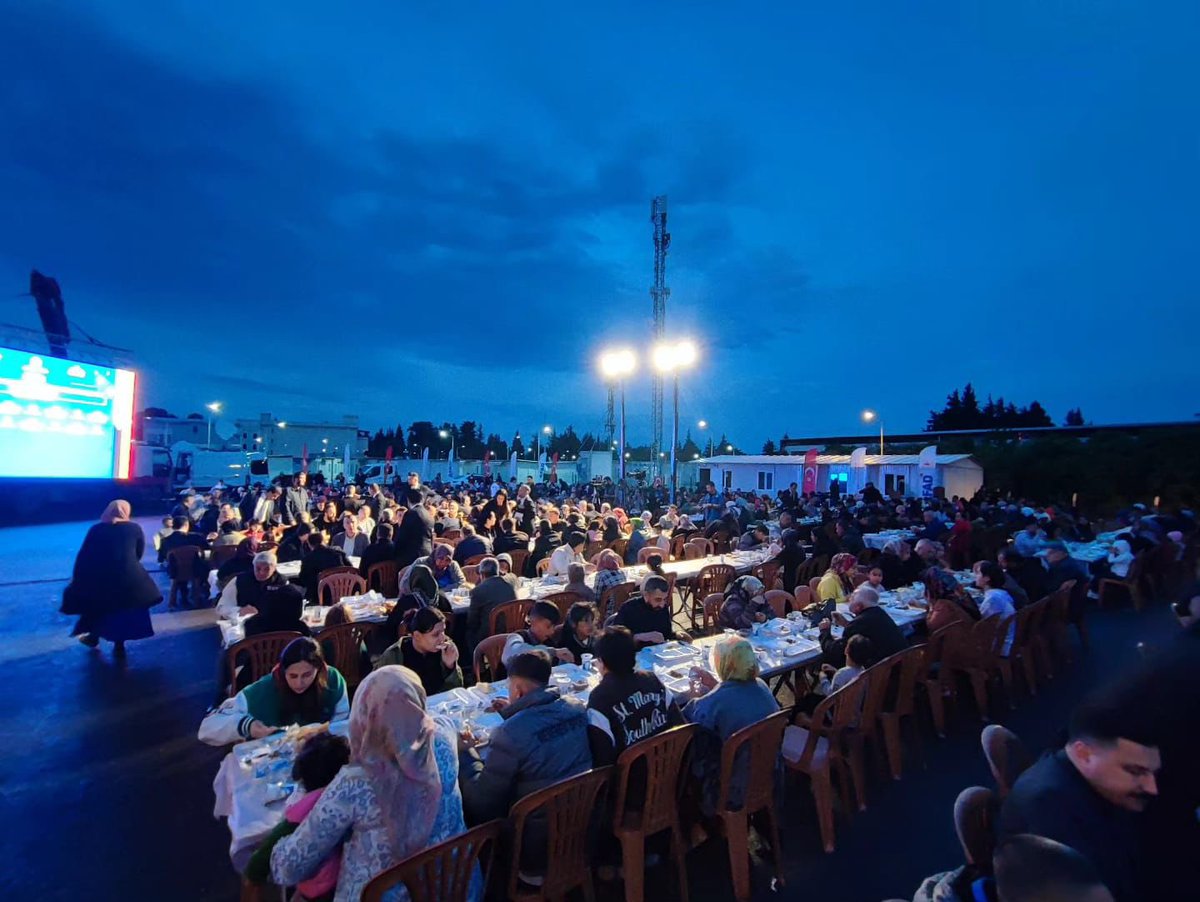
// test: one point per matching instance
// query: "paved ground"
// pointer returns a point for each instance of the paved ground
(105, 792)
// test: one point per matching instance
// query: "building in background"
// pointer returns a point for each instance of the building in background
(273, 436)
(892, 474)
(164, 432)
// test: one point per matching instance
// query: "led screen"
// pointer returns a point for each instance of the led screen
(61, 418)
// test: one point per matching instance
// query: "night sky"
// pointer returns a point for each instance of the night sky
(443, 213)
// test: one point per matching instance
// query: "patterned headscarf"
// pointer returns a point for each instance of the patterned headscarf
(116, 512)
(391, 739)
(842, 563)
(734, 659)
(940, 583)
(608, 560)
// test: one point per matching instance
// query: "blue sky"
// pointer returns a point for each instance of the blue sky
(413, 213)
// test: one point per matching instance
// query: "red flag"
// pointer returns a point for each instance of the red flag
(304, 458)
(554, 469)
(810, 472)
(387, 462)
(487, 463)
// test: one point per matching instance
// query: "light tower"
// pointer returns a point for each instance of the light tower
(659, 293)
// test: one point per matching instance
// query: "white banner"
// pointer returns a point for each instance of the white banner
(927, 470)
(858, 470)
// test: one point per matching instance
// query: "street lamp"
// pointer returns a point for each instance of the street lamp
(869, 416)
(213, 407)
(671, 358)
(616, 366)
(703, 424)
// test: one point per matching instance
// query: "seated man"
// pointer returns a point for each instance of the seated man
(1088, 795)
(509, 539)
(629, 704)
(350, 541)
(648, 614)
(180, 536)
(504, 559)
(272, 603)
(871, 621)
(542, 740)
(1036, 869)
(380, 550)
(568, 553)
(491, 591)
(320, 557)
(471, 545)
(544, 618)
(754, 538)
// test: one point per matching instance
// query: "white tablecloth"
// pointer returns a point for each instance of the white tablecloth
(880, 539)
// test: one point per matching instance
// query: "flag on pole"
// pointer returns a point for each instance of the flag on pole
(512, 466)
(346, 461)
(858, 469)
(554, 469)
(927, 469)
(424, 464)
(487, 463)
(387, 464)
(810, 472)
(450, 463)
(541, 465)
(304, 458)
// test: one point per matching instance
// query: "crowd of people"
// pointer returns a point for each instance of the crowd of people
(407, 780)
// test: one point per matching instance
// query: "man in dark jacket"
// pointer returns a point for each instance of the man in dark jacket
(320, 557)
(542, 740)
(871, 621)
(414, 535)
(295, 500)
(526, 512)
(492, 590)
(1060, 568)
(470, 545)
(380, 550)
(648, 615)
(509, 538)
(182, 536)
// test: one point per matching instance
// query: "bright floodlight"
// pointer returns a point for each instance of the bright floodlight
(547, 430)
(215, 406)
(674, 356)
(703, 424)
(443, 433)
(868, 416)
(282, 424)
(618, 363)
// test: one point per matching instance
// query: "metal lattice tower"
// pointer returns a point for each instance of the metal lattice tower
(659, 293)
(610, 417)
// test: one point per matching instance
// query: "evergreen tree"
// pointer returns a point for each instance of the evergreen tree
(768, 447)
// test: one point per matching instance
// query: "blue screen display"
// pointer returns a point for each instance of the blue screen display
(61, 418)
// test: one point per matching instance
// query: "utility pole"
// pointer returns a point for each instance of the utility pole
(659, 293)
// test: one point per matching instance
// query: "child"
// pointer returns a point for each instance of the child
(317, 763)
(875, 579)
(544, 618)
(859, 656)
(578, 633)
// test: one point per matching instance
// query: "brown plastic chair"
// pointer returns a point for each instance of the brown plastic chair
(347, 641)
(712, 578)
(973, 653)
(543, 566)
(768, 573)
(613, 597)
(337, 583)
(381, 577)
(509, 617)
(563, 601)
(649, 550)
(1006, 756)
(1132, 585)
(220, 554)
(882, 676)
(489, 652)
(519, 557)
(260, 653)
(701, 544)
(815, 746)
(812, 587)
(721, 543)
(803, 596)
(471, 573)
(761, 743)
(451, 535)
(186, 577)
(937, 685)
(474, 559)
(565, 807)
(445, 872)
(712, 612)
(902, 709)
(780, 602)
(620, 546)
(665, 756)
(975, 812)
(692, 552)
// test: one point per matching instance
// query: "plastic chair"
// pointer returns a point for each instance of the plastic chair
(1006, 756)
(563, 601)
(712, 611)
(973, 653)
(474, 559)
(337, 583)
(543, 566)
(489, 653)
(381, 577)
(701, 544)
(188, 580)
(471, 573)
(664, 758)
(780, 602)
(938, 688)
(902, 709)
(620, 546)
(768, 573)
(761, 744)
(712, 578)
(613, 597)
(815, 746)
(220, 554)
(975, 813)
(509, 616)
(560, 805)
(347, 642)
(519, 557)
(259, 654)
(451, 536)
(1132, 584)
(445, 872)
(649, 550)
(803, 598)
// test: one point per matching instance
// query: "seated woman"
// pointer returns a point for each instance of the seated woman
(790, 557)
(835, 585)
(398, 796)
(427, 651)
(300, 690)
(734, 699)
(608, 573)
(745, 604)
(576, 582)
(948, 603)
(446, 571)
(577, 633)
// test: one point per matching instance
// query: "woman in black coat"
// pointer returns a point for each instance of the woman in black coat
(110, 591)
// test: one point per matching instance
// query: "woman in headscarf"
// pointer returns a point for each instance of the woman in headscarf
(948, 603)
(110, 591)
(398, 796)
(418, 589)
(734, 699)
(446, 571)
(745, 604)
(835, 585)
(608, 572)
(300, 690)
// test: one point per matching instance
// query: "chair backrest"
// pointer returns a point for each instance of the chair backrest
(1060, 604)
(767, 573)
(763, 740)
(474, 559)
(666, 767)
(451, 536)
(839, 711)
(562, 601)
(812, 586)
(975, 823)
(382, 578)
(182, 561)
(542, 566)
(721, 543)
(713, 578)
(645, 553)
(445, 872)
(880, 678)
(693, 552)
(489, 652)
(620, 546)
(1006, 756)
(259, 655)
(712, 610)
(974, 647)
(560, 805)
(704, 545)
(857, 579)
(780, 601)
(509, 617)
(337, 583)
(471, 573)
(346, 641)
(814, 566)
(613, 597)
(519, 557)
(221, 554)
(803, 598)
(912, 666)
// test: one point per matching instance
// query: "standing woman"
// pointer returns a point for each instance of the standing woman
(110, 591)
